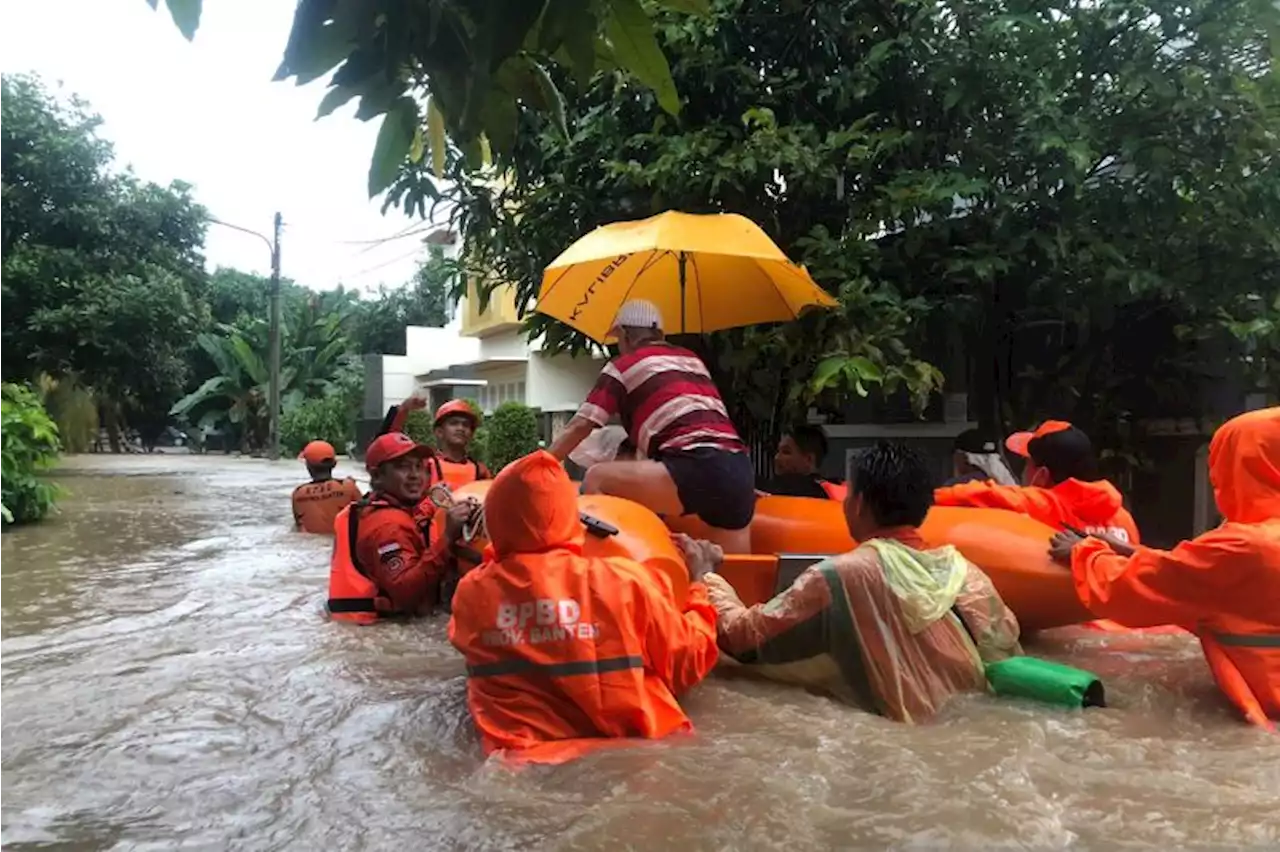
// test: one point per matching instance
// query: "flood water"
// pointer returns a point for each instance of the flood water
(170, 681)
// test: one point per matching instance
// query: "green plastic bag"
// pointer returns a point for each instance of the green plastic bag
(1042, 680)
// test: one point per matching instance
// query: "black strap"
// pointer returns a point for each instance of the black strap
(388, 420)
(353, 533)
(352, 605)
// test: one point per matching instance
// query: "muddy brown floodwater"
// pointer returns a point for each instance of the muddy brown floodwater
(170, 681)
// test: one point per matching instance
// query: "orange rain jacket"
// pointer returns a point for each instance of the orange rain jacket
(1224, 586)
(316, 504)
(1093, 507)
(382, 564)
(565, 651)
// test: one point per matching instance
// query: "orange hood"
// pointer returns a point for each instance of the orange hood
(1091, 502)
(532, 507)
(1244, 465)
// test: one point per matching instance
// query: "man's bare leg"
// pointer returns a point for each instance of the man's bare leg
(730, 541)
(649, 483)
(646, 482)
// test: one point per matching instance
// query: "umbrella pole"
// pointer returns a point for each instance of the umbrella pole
(683, 258)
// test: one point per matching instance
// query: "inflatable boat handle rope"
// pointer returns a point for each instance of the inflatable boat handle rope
(442, 497)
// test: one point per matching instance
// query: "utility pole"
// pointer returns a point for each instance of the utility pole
(273, 450)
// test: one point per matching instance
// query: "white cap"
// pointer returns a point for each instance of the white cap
(638, 313)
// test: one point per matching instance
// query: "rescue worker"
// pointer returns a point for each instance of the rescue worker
(1061, 485)
(975, 458)
(1224, 586)
(890, 627)
(382, 562)
(564, 652)
(317, 503)
(691, 458)
(455, 425)
(795, 466)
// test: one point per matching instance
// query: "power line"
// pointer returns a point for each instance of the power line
(385, 263)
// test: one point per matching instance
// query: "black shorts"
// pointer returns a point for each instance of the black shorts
(717, 486)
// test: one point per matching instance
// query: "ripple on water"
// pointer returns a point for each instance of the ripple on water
(170, 680)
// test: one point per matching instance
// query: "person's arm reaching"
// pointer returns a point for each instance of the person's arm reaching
(746, 633)
(571, 436)
(1039, 503)
(680, 645)
(1155, 587)
(398, 414)
(602, 404)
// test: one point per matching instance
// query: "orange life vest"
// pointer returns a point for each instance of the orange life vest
(454, 474)
(353, 596)
(451, 473)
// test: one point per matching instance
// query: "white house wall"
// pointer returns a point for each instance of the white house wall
(558, 382)
(503, 344)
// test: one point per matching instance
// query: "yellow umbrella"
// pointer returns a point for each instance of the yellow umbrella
(704, 273)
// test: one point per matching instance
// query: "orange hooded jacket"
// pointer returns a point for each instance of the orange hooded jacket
(1224, 586)
(1094, 507)
(564, 652)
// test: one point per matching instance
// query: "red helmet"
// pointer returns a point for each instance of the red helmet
(390, 447)
(457, 406)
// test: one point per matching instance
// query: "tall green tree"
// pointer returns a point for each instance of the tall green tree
(102, 273)
(1083, 192)
(426, 300)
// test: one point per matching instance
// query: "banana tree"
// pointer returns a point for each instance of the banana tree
(237, 394)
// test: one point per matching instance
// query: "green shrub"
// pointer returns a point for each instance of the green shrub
(29, 440)
(74, 411)
(512, 432)
(321, 419)
(418, 427)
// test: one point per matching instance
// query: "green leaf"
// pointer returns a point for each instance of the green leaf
(249, 360)
(636, 48)
(580, 46)
(316, 44)
(417, 148)
(863, 369)
(185, 14)
(392, 146)
(436, 138)
(334, 98)
(827, 370)
(691, 7)
(211, 389)
(552, 98)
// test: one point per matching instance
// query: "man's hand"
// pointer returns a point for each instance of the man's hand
(1121, 548)
(702, 557)
(457, 517)
(1061, 545)
(416, 401)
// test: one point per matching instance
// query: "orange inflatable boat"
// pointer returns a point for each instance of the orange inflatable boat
(615, 527)
(789, 533)
(1012, 549)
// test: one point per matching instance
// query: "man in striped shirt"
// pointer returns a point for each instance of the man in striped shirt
(690, 458)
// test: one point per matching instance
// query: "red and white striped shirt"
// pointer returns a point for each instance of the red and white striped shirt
(665, 399)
